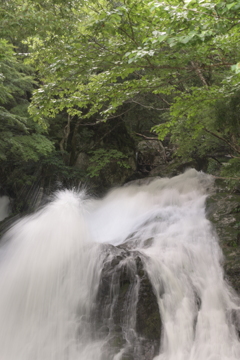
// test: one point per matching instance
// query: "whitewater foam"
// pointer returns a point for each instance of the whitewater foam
(51, 264)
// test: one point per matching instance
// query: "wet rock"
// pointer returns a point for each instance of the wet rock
(148, 322)
(151, 153)
(127, 314)
(223, 209)
(143, 181)
(234, 318)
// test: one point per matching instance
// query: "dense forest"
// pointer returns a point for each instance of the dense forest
(83, 82)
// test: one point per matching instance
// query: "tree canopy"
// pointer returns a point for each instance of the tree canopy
(86, 62)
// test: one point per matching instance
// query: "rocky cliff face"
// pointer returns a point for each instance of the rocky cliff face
(223, 209)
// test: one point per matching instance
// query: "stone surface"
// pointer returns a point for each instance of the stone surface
(127, 312)
(223, 209)
(151, 153)
(82, 161)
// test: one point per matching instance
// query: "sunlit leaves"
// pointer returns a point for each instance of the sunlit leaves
(236, 68)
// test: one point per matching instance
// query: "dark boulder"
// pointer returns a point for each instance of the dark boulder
(127, 313)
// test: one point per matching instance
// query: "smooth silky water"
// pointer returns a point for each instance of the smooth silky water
(51, 263)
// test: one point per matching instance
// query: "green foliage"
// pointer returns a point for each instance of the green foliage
(213, 167)
(20, 138)
(101, 158)
(28, 147)
(55, 170)
(231, 170)
(171, 66)
(121, 52)
(22, 142)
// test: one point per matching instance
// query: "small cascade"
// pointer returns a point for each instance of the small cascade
(136, 275)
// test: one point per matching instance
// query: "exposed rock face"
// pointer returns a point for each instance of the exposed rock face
(82, 161)
(127, 313)
(151, 153)
(223, 208)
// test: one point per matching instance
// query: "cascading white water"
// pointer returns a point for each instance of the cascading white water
(51, 263)
(48, 276)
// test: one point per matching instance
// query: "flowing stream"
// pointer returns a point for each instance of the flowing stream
(51, 265)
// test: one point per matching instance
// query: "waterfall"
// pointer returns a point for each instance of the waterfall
(136, 275)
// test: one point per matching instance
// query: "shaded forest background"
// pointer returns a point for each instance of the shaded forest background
(87, 86)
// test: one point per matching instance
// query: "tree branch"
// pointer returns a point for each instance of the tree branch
(199, 73)
(222, 139)
(148, 107)
(66, 132)
(147, 138)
